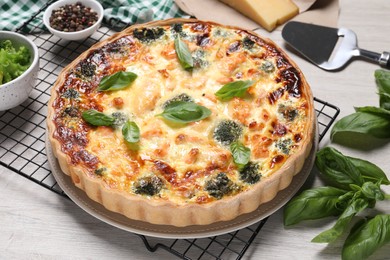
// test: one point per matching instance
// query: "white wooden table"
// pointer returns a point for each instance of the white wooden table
(37, 224)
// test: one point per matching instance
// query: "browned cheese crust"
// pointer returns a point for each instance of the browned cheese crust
(182, 174)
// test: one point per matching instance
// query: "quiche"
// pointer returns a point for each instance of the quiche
(181, 122)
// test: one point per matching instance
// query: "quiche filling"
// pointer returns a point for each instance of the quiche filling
(245, 99)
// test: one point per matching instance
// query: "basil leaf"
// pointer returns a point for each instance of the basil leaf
(373, 191)
(233, 89)
(384, 100)
(382, 78)
(313, 204)
(337, 168)
(366, 238)
(369, 171)
(183, 53)
(374, 110)
(120, 118)
(185, 112)
(383, 82)
(332, 234)
(364, 123)
(130, 132)
(117, 81)
(241, 154)
(97, 118)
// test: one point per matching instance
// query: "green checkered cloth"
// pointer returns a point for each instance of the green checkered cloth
(13, 13)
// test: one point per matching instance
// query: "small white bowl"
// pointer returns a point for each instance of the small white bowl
(79, 35)
(16, 91)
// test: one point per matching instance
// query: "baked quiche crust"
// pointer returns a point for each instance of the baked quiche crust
(96, 159)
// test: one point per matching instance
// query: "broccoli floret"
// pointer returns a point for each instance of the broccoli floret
(87, 69)
(177, 27)
(147, 35)
(71, 111)
(289, 113)
(220, 185)
(199, 59)
(284, 145)
(227, 132)
(248, 43)
(120, 118)
(250, 173)
(267, 66)
(71, 93)
(150, 185)
(182, 97)
(219, 32)
(100, 171)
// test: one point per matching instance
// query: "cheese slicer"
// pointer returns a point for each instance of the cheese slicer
(329, 48)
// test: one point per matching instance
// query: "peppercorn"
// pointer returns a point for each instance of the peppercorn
(72, 17)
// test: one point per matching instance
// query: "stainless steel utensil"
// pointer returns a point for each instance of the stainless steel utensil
(318, 44)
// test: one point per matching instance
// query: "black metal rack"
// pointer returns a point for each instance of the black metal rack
(22, 140)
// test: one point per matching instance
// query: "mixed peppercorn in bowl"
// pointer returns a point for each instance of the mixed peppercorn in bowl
(73, 19)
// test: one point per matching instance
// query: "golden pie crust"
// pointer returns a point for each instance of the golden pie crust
(155, 210)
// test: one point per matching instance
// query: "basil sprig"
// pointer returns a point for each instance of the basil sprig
(131, 132)
(183, 54)
(241, 154)
(184, 112)
(117, 81)
(370, 120)
(355, 187)
(97, 118)
(233, 89)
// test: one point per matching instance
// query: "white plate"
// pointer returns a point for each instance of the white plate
(165, 231)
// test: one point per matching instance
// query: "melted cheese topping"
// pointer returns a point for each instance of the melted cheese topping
(185, 158)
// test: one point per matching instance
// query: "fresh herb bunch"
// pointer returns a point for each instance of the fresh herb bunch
(354, 186)
(369, 120)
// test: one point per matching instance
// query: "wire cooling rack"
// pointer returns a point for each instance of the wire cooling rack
(22, 140)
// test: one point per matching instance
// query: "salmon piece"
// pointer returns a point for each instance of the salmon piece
(192, 156)
(169, 52)
(156, 132)
(183, 139)
(228, 64)
(240, 110)
(260, 146)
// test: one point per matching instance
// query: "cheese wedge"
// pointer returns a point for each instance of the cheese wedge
(268, 13)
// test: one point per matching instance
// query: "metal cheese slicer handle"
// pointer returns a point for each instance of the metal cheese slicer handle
(382, 58)
(349, 48)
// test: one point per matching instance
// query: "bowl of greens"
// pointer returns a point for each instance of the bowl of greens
(19, 65)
